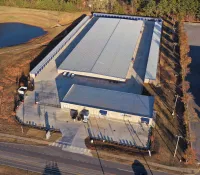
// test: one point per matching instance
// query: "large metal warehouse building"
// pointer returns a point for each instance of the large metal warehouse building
(106, 49)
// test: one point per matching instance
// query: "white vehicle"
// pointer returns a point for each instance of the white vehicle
(69, 74)
(85, 115)
(85, 120)
(72, 75)
(65, 73)
(22, 90)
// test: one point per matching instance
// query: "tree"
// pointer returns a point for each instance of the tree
(173, 8)
(98, 5)
(163, 8)
(135, 5)
(150, 8)
(117, 8)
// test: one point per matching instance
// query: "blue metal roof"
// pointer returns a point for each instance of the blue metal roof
(153, 58)
(125, 103)
(106, 49)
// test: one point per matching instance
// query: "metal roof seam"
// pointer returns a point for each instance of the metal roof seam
(106, 44)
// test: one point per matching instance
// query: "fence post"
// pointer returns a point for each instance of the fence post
(149, 153)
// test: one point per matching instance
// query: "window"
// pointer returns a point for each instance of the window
(102, 112)
(145, 120)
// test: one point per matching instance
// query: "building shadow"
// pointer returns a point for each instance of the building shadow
(51, 168)
(138, 168)
(141, 58)
(54, 42)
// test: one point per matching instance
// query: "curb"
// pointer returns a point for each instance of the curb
(154, 165)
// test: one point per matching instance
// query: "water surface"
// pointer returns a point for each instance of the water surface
(17, 33)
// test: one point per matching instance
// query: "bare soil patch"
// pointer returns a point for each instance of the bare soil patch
(16, 60)
(6, 170)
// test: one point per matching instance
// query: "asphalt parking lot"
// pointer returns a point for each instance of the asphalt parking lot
(193, 30)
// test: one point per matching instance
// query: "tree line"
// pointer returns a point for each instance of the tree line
(159, 8)
(57, 5)
(181, 9)
(190, 114)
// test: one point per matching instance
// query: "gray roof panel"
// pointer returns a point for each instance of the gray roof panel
(125, 103)
(153, 58)
(106, 49)
(116, 57)
(85, 54)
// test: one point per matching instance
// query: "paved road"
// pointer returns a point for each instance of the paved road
(51, 159)
(193, 30)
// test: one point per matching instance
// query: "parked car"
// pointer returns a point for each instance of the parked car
(79, 118)
(84, 115)
(72, 75)
(69, 74)
(65, 73)
(21, 97)
(22, 90)
(73, 113)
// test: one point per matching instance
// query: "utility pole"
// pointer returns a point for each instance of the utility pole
(1, 98)
(174, 47)
(23, 111)
(177, 144)
(175, 104)
(23, 119)
(22, 129)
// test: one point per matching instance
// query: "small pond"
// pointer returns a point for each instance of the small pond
(17, 33)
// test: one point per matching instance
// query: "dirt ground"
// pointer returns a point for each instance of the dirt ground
(6, 170)
(15, 60)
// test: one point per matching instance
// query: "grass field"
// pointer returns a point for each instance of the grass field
(15, 60)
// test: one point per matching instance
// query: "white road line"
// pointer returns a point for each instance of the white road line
(125, 170)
